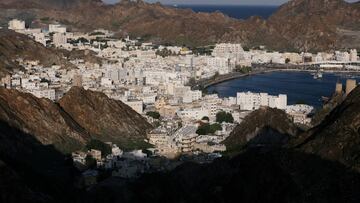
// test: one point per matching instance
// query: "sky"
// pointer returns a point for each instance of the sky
(222, 2)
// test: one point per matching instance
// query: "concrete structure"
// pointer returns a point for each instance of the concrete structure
(45, 93)
(185, 138)
(350, 86)
(339, 88)
(300, 113)
(251, 101)
(17, 25)
(40, 37)
(55, 28)
(196, 113)
(59, 39)
(227, 50)
(353, 55)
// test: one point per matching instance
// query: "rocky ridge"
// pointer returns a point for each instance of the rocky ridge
(338, 136)
(299, 25)
(263, 127)
(105, 119)
(80, 116)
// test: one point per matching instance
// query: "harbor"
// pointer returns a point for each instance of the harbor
(300, 86)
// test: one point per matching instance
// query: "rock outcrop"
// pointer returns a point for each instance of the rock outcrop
(41, 118)
(338, 136)
(15, 47)
(36, 136)
(318, 24)
(105, 119)
(263, 127)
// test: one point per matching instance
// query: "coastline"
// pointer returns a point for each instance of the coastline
(233, 75)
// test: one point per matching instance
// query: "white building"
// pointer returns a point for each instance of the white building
(342, 56)
(45, 93)
(17, 25)
(185, 138)
(40, 37)
(300, 113)
(228, 50)
(193, 113)
(59, 39)
(353, 55)
(252, 101)
(220, 64)
(55, 28)
(192, 95)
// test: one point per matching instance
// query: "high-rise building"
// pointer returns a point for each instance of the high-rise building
(252, 101)
(228, 50)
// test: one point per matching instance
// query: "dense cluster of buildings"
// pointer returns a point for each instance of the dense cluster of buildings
(131, 71)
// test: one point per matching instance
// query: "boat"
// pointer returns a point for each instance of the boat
(318, 75)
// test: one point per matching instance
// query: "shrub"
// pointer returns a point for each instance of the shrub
(224, 117)
(153, 114)
(206, 129)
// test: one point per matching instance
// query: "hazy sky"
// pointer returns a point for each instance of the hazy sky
(239, 2)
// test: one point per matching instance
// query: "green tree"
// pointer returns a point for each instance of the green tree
(224, 117)
(203, 129)
(215, 127)
(241, 69)
(206, 129)
(153, 114)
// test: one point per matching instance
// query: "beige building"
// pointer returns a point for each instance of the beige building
(350, 86)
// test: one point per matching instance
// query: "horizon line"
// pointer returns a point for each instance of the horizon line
(197, 4)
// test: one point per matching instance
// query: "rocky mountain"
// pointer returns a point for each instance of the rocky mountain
(37, 134)
(105, 119)
(298, 25)
(263, 127)
(338, 136)
(79, 117)
(41, 118)
(314, 24)
(45, 4)
(15, 46)
(314, 166)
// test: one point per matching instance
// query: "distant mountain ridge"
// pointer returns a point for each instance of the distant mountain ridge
(298, 25)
